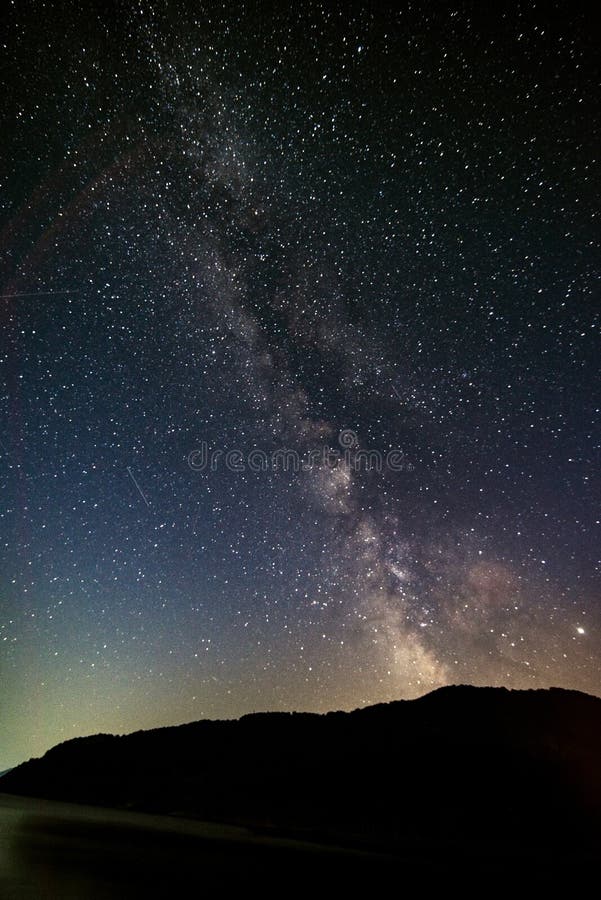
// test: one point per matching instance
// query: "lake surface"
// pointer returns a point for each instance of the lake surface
(62, 850)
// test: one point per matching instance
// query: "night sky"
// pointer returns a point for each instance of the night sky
(301, 227)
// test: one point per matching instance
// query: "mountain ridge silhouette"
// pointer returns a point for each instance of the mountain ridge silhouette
(461, 763)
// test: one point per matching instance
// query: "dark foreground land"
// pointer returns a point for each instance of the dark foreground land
(63, 851)
(463, 786)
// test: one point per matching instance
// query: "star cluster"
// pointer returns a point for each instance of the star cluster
(256, 228)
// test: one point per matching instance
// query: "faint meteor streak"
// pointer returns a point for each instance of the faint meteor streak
(35, 294)
(132, 476)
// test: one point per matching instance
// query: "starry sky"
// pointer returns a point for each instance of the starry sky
(330, 229)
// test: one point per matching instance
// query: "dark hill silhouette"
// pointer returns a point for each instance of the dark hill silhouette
(487, 766)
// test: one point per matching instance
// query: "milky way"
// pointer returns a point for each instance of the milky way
(298, 372)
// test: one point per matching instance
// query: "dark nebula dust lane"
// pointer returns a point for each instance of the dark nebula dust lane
(298, 375)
